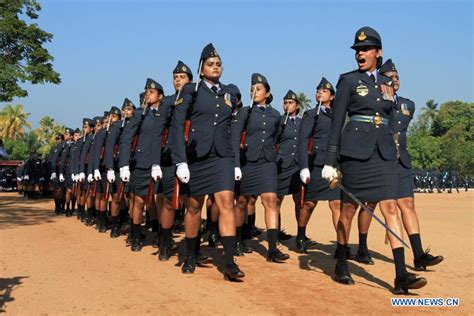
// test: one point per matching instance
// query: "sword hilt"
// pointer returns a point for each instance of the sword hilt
(333, 183)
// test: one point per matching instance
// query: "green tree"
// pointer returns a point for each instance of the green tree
(46, 133)
(13, 121)
(425, 151)
(20, 148)
(22, 55)
(428, 115)
(305, 103)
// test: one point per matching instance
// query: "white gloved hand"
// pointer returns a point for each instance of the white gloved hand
(73, 177)
(111, 176)
(82, 176)
(97, 175)
(53, 176)
(305, 175)
(125, 173)
(61, 177)
(156, 173)
(26, 177)
(237, 174)
(329, 173)
(90, 178)
(183, 172)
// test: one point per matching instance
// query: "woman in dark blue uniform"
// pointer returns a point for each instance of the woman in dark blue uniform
(401, 117)
(261, 124)
(111, 165)
(367, 153)
(287, 157)
(316, 125)
(206, 162)
(147, 127)
(182, 75)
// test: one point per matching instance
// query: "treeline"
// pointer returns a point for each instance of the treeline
(19, 139)
(441, 138)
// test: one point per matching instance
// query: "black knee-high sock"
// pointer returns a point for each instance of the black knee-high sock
(114, 220)
(56, 205)
(238, 234)
(165, 236)
(399, 259)
(208, 217)
(198, 243)
(301, 232)
(246, 232)
(341, 253)
(251, 220)
(136, 231)
(191, 246)
(73, 204)
(229, 247)
(272, 236)
(363, 243)
(213, 227)
(415, 241)
(155, 226)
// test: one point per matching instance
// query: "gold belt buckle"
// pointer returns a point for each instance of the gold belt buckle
(377, 119)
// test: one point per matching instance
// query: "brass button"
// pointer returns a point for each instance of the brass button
(378, 99)
(264, 123)
(192, 130)
(399, 122)
(217, 97)
(263, 115)
(292, 154)
(217, 105)
(295, 137)
(215, 123)
(263, 140)
(398, 111)
(376, 86)
(264, 132)
(294, 146)
(216, 115)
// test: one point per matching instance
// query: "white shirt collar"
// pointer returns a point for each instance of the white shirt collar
(375, 73)
(210, 85)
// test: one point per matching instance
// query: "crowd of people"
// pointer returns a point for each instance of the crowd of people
(165, 159)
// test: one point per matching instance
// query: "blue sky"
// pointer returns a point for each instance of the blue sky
(104, 50)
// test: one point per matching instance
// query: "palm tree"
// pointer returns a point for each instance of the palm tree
(305, 103)
(428, 114)
(13, 121)
(46, 133)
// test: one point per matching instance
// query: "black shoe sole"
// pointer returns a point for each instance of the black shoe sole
(421, 282)
(344, 281)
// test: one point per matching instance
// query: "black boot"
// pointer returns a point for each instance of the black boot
(136, 243)
(101, 224)
(232, 272)
(342, 274)
(165, 244)
(425, 260)
(407, 282)
(115, 231)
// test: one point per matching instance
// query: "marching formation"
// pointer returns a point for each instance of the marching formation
(173, 154)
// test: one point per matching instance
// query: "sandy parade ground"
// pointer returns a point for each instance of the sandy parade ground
(53, 265)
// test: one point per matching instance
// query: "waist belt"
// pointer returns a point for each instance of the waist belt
(375, 119)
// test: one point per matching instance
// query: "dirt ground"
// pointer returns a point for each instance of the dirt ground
(55, 265)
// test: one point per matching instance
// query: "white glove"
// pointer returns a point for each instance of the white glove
(26, 177)
(61, 177)
(305, 175)
(237, 174)
(111, 176)
(90, 178)
(125, 174)
(183, 172)
(73, 177)
(329, 173)
(82, 176)
(53, 176)
(97, 175)
(156, 173)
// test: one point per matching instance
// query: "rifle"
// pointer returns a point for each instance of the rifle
(187, 127)
(105, 196)
(310, 153)
(243, 135)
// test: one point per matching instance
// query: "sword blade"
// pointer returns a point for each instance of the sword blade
(371, 213)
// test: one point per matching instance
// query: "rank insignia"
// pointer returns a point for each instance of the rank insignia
(362, 90)
(179, 101)
(362, 36)
(152, 85)
(184, 68)
(328, 85)
(259, 78)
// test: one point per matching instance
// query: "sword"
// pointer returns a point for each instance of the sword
(336, 183)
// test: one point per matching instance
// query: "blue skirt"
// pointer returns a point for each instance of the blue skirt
(288, 179)
(140, 180)
(406, 181)
(370, 180)
(210, 174)
(318, 188)
(258, 177)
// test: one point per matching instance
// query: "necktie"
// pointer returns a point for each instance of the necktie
(214, 89)
(262, 108)
(293, 120)
(372, 77)
(153, 111)
(328, 111)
